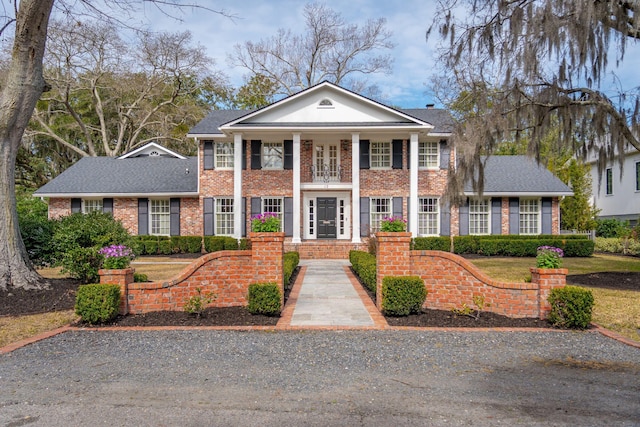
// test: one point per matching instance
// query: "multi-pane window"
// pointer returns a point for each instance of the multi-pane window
(609, 181)
(380, 208)
(529, 216)
(224, 217)
(380, 155)
(479, 216)
(224, 155)
(91, 205)
(428, 155)
(428, 216)
(273, 205)
(637, 176)
(272, 155)
(159, 214)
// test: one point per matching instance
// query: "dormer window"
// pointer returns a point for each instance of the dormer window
(325, 103)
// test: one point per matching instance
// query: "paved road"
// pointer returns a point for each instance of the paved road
(321, 378)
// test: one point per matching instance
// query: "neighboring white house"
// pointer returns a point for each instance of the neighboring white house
(616, 193)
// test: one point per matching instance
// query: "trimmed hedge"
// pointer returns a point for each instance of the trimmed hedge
(507, 245)
(264, 298)
(364, 265)
(97, 303)
(291, 261)
(571, 307)
(402, 295)
(224, 243)
(165, 245)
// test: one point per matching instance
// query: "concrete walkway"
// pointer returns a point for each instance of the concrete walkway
(327, 297)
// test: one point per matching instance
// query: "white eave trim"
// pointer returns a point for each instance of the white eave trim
(205, 135)
(520, 194)
(347, 128)
(114, 195)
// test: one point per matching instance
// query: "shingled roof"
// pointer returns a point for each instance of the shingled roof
(519, 176)
(137, 176)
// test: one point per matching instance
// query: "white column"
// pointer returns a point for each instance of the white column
(296, 189)
(355, 192)
(413, 184)
(237, 185)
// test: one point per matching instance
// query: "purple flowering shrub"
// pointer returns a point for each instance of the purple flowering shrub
(116, 257)
(394, 224)
(549, 257)
(266, 222)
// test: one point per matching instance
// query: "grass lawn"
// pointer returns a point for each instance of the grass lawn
(617, 310)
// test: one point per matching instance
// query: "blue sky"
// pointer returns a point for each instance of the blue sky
(408, 20)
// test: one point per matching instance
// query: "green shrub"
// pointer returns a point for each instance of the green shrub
(402, 296)
(97, 303)
(82, 264)
(244, 244)
(465, 244)
(229, 243)
(364, 265)
(190, 244)
(578, 248)
(150, 247)
(198, 303)
(264, 298)
(612, 228)
(291, 261)
(165, 247)
(36, 229)
(440, 243)
(140, 277)
(571, 307)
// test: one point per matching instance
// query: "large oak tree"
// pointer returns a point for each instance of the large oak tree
(528, 66)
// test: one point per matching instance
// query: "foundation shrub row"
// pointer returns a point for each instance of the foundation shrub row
(507, 245)
(364, 265)
(290, 261)
(165, 245)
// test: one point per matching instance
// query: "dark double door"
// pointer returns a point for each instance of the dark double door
(327, 214)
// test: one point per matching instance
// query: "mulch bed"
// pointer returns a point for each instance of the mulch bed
(61, 296)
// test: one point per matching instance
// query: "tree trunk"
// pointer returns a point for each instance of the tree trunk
(23, 87)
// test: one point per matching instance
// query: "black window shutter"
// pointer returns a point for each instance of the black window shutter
(444, 154)
(76, 205)
(244, 216)
(174, 216)
(107, 206)
(288, 155)
(547, 217)
(143, 216)
(496, 215)
(364, 154)
(397, 207)
(408, 153)
(288, 216)
(208, 155)
(514, 215)
(445, 219)
(256, 206)
(256, 158)
(208, 211)
(244, 154)
(464, 218)
(396, 150)
(364, 217)
(408, 213)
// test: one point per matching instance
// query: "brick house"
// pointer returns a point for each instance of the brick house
(328, 161)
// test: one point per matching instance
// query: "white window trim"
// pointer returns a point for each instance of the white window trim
(216, 213)
(216, 157)
(488, 214)
(262, 160)
(437, 165)
(151, 213)
(390, 147)
(371, 211)
(539, 216)
(437, 199)
(281, 213)
(83, 208)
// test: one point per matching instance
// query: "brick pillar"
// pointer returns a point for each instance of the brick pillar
(393, 258)
(267, 250)
(547, 279)
(121, 278)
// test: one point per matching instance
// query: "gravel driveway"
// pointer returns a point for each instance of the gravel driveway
(318, 378)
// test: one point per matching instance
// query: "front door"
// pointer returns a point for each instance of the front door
(326, 217)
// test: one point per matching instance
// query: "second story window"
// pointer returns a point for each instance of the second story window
(272, 155)
(609, 181)
(428, 155)
(380, 155)
(224, 155)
